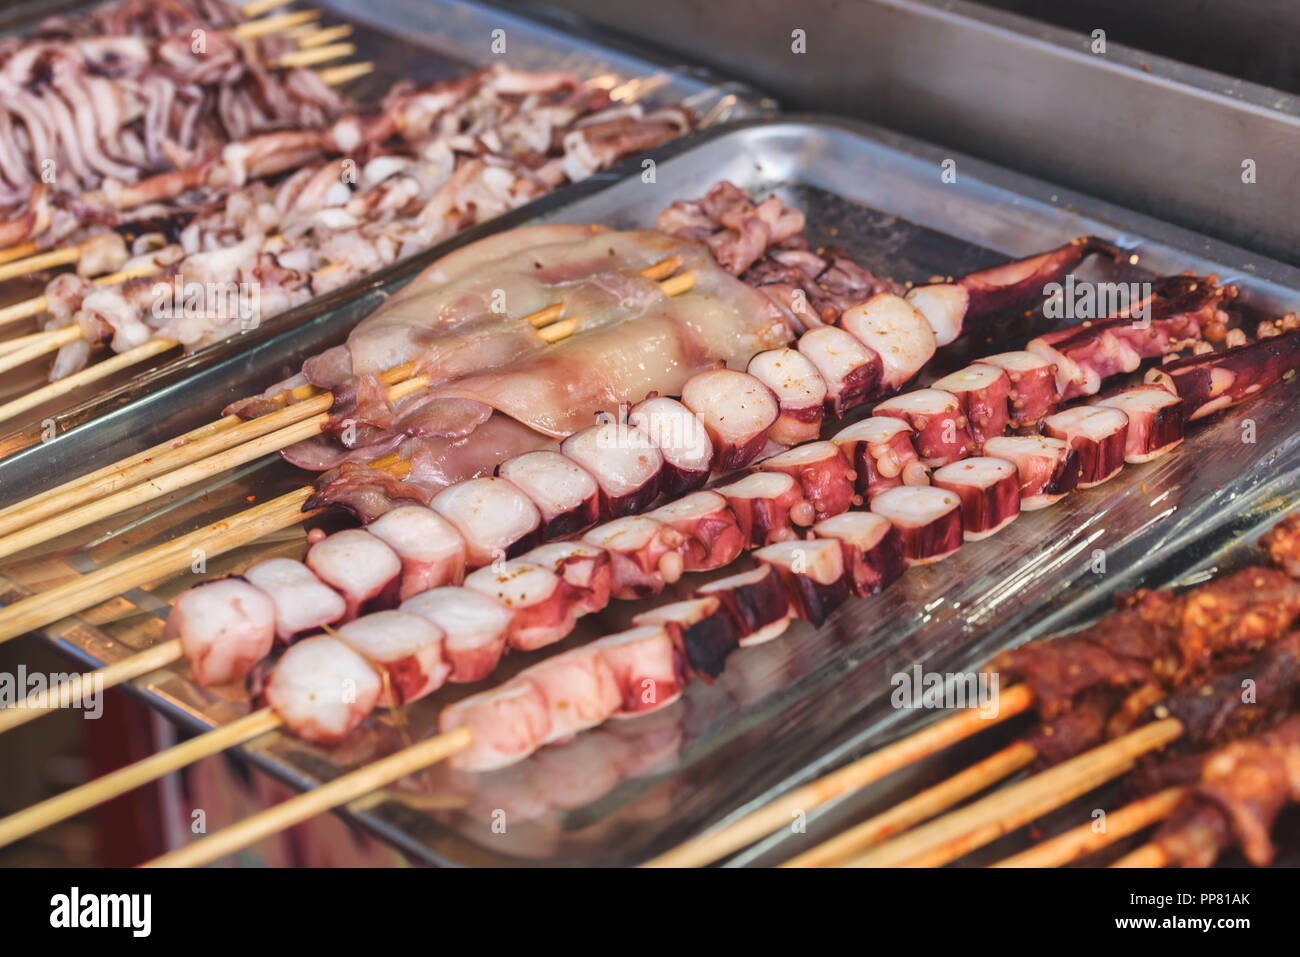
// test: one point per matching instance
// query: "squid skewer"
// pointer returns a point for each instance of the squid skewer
(773, 487)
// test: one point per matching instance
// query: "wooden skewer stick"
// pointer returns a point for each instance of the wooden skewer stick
(315, 55)
(1148, 855)
(22, 342)
(46, 343)
(712, 846)
(230, 430)
(161, 561)
(1085, 839)
(1008, 809)
(338, 75)
(38, 304)
(307, 805)
(47, 260)
(100, 370)
(314, 37)
(917, 808)
(77, 687)
(256, 8)
(51, 811)
(17, 252)
(268, 25)
(229, 458)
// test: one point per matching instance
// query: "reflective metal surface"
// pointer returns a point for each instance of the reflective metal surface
(782, 712)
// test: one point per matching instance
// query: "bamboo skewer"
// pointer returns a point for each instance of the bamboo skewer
(274, 24)
(314, 55)
(1006, 810)
(917, 808)
(100, 370)
(712, 846)
(46, 260)
(307, 805)
(18, 252)
(75, 689)
(44, 344)
(338, 75)
(161, 561)
(255, 8)
(1148, 855)
(1083, 840)
(312, 36)
(60, 807)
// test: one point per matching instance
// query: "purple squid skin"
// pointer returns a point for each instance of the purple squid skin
(1003, 288)
(1218, 380)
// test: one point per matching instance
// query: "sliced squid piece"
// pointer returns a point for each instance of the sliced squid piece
(983, 392)
(321, 689)
(1033, 385)
(767, 505)
(850, 369)
(872, 549)
(359, 566)
(302, 601)
(682, 441)
(944, 307)
(580, 689)
(647, 668)
(706, 632)
(584, 569)
(225, 627)
(929, 519)
(645, 554)
(508, 724)
(1099, 434)
(737, 410)
(1155, 422)
(712, 531)
(431, 550)
(406, 648)
(474, 627)
(756, 600)
(942, 432)
(1047, 467)
(800, 393)
(540, 610)
(625, 464)
(897, 332)
(882, 451)
(495, 518)
(989, 490)
(824, 474)
(813, 573)
(566, 494)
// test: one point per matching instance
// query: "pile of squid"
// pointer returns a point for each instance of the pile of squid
(84, 116)
(365, 191)
(429, 594)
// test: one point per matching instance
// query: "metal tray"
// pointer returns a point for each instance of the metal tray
(417, 40)
(785, 711)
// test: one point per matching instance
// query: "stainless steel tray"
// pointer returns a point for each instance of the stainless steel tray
(785, 711)
(417, 40)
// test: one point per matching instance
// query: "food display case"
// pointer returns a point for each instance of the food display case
(694, 488)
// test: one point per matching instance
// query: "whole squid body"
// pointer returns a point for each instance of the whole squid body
(499, 390)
